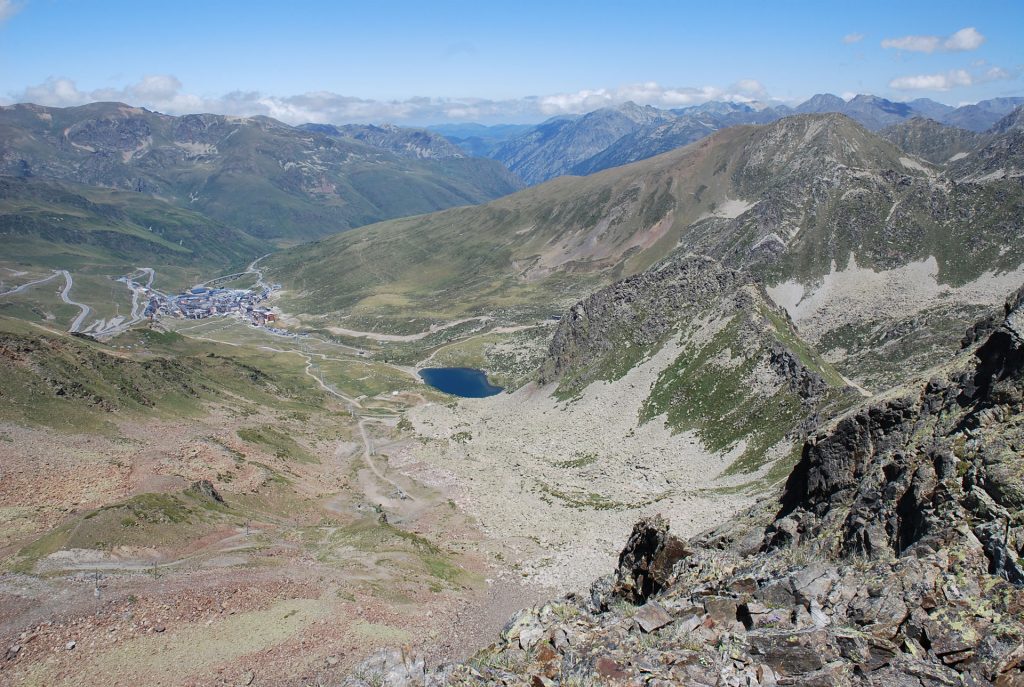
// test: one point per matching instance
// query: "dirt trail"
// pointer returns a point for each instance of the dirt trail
(341, 331)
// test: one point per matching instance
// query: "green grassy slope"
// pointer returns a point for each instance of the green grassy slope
(66, 225)
(786, 200)
(73, 383)
(265, 177)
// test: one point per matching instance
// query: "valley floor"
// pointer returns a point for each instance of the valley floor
(562, 482)
(383, 514)
(361, 509)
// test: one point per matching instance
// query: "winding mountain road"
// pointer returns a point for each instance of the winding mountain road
(341, 331)
(85, 309)
(19, 289)
(252, 269)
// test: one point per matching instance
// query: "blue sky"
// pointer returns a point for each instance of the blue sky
(426, 62)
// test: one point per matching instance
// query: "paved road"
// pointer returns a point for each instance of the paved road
(252, 269)
(68, 282)
(341, 331)
(21, 288)
(139, 303)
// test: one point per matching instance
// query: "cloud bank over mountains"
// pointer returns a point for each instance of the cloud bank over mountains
(165, 93)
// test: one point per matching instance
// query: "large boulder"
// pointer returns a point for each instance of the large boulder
(646, 562)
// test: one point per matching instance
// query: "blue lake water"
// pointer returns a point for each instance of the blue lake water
(459, 381)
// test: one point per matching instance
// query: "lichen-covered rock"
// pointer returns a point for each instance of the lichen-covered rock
(646, 563)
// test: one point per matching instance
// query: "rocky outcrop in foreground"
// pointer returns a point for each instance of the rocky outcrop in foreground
(893, 557)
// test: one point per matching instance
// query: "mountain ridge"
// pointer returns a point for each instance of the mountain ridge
(272, 180)
(801, 202)
(559, 146)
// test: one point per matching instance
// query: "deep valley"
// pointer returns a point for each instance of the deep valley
(735, 397)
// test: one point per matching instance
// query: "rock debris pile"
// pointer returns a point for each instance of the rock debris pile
(892, 557)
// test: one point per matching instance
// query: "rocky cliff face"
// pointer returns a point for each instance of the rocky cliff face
(739, 374)
(892, 557)
(930, 140)
(892, 478)
(637, 312)
(999, 157)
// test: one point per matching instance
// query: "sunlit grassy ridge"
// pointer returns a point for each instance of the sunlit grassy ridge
(65, 225)
(75, 383)
(269, 179)
(788, 200)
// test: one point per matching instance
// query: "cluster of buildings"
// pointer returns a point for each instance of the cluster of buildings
(202, 302)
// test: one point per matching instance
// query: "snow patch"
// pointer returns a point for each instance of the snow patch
(731, 209)
(914, 164)
(857, 294)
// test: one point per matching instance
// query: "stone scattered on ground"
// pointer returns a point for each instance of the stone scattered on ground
(892, 557)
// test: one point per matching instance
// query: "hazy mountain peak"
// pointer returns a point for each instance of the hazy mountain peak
(930, 108)
(930, 140)
(1014, 120)
(420, 144)
(822, 102)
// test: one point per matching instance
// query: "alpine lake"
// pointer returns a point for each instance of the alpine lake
(460, 381)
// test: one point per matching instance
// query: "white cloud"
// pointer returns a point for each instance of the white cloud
(851, 38)
(165, 93)
(8, 9)
(55, 92)
(996, 74)
(955, 78)
(649, 93)
(159, 92)
(913, 43)
(749, 87)
(933, 82)
(965, 39)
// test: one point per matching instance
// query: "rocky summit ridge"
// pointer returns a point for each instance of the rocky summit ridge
(741, 377)
(891, 557)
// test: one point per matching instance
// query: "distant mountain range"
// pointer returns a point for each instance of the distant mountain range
(479, 140)
(127, 181)
(417, 144)
(270, 180)
(614, 136)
